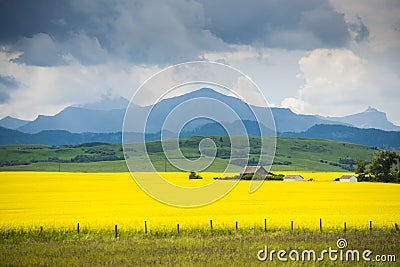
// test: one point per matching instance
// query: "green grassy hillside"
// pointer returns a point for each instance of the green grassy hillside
(291, 154)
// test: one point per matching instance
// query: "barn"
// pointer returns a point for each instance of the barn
(348, 178)
(293, 178)
(258, 171)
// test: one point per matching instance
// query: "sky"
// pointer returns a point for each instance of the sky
(331, 58)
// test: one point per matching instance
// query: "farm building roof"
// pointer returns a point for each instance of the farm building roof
(253, 169)
(292, 176)
(346, 176)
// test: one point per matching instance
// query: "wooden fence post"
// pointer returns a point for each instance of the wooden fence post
(78, 228)
(370, 226)
(211, 226)
(41, 229)
(177, 226)
(116, 231)
(237, 226)
(320, 225)
(345, 227)
(291, 225)
(265, 225)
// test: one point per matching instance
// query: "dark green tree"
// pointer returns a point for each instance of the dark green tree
(385, 166)
(193, 175)
(361, 169)
(360, 166)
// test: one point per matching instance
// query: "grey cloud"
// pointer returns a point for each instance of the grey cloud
(39, 50)
(326, 25)
(154, 32)
(360, 31)
(44, 50)
(292, 40)
(162, 31)
(87, 49)
(45, 32)
(7, 84)
(19, 18)
(293, 24)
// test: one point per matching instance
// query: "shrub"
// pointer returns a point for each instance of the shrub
(193, 175)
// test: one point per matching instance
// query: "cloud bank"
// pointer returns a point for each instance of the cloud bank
(329, 57)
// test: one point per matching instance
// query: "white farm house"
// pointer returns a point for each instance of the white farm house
(348, 178)
(293, 178)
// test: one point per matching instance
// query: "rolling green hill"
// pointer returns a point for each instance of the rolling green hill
(291, 154)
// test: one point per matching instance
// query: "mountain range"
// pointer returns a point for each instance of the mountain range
(369, 137)
(102, 122)
(107, 116)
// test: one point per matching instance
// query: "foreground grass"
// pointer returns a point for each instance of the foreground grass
(192, 248)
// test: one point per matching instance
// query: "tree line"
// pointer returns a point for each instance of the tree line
(383, 168)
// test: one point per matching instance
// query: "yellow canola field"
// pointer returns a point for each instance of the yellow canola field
(101, 200)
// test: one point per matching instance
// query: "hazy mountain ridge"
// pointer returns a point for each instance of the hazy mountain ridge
(288, 121)
(12, 123)
(78, 120)
(61, 137)
(106, 116)
(370, 118)
(215, 129)
(106, 103)
(370, 137)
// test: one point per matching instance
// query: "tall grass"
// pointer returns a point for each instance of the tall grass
(189, 248)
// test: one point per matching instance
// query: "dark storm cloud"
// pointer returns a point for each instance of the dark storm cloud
(7, 84)
(293, 24)
(46, 32)
(21, 18)
(49, 32)
(91, 31)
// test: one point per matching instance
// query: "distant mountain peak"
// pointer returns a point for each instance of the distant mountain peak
(370, 118)
(12, 123)
(372, 109)
(203, 92)
(106, 102)
(200, 93)
(206, 90)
